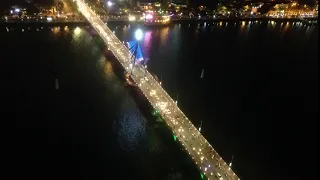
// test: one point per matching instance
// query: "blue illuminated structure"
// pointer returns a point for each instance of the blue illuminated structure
(136, 52)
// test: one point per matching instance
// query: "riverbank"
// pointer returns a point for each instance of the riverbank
(174, 20)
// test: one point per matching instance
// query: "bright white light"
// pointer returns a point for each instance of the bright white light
(17, 10)
(109, 3)
(149, 16)
(132, 18)
(77, 31)
(138, 34)
(49, 19)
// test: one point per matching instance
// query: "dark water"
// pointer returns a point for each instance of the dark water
(257, 100)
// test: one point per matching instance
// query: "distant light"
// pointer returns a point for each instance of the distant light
(138, 34)
(109, 3)
(149, 16)
(77, 31)
(132, 18)
(11, 11)
(17, 10)
(49, 19)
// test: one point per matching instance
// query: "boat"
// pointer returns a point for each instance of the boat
(56, 84)
(154, 19)
(202, 74)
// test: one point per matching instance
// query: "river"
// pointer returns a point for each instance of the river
(259, 78)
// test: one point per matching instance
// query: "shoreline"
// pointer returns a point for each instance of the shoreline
(83, 22)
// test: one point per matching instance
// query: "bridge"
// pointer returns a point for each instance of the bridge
(210, 164)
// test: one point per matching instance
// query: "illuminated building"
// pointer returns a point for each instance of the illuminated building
(145, 5)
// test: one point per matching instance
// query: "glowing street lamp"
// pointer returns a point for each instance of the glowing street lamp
(177, 99)
(200, 126)
(77, 31)
(109, 3)
(230, 163)
(138, 34)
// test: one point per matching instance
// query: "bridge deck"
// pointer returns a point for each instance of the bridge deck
(202, 153)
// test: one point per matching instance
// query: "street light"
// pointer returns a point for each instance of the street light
(109, 3)
(138, 34)
(231, 162)
(177, 99)
(200, 126)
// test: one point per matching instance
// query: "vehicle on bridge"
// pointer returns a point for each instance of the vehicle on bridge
(218, 175)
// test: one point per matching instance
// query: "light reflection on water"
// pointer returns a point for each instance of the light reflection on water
(130, 127)
(164, 33)
(55, 30)
(108, 67)
(147, 43)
